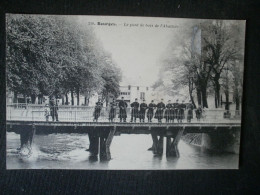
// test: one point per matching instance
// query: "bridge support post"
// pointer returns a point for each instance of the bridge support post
(172, 145)
(105, 143)
(93, 143)
(157, 143)
(26, 137)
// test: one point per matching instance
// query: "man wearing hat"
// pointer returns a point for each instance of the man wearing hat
(181, 115)
(135, 107)
(54, 109)
(159, 111)
(168, 112)
(122, 109)
(112, 112)
(97, 111)
(190, 108)
(175, 110)
(151, 107)
(143, 107)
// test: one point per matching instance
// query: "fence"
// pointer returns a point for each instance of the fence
(85, 113)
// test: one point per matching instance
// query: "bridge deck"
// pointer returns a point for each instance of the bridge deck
(134, 128)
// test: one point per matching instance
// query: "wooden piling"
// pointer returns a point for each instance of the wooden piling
(93, 143)
(105, 143)
(26, 136)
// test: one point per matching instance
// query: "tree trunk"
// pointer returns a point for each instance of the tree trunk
(66, 99)
(15, 100)
(87, 101)
(72, 97)
(25, 99)
(62, 100)
(191, 96)
(217, 90)
(199, 96)
(216, 103)
(78, 97)
(106, 101)
(204, 97)
(227, 100)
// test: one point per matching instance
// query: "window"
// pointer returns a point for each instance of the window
(128, 93)
(147, 88)
(142, 95)
(138, 88)
(129, 87)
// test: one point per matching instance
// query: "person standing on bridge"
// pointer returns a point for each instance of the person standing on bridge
(199, 113)
(190, 108)
(54, 109)
(47, 112)
(168, 112)
(151, 107)
(97, 110)
(134, 112)
(175, 110)
(159, 112)
(122, 110)
(181, 115)
(112, 112)
(143, 107)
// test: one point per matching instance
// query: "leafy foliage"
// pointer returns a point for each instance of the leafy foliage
(52, 55)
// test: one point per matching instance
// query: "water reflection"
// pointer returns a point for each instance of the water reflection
(68, 151)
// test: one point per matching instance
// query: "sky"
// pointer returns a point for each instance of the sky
(136, 49)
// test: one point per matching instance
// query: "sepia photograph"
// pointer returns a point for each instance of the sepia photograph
(123, 93)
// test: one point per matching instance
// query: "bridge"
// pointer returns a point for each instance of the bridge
(101, 133)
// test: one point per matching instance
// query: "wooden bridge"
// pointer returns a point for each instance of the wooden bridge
(101, 133)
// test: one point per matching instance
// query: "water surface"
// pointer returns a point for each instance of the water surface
(68, 151)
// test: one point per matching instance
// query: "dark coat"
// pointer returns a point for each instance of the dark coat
(97, 110)
(159, 111)
(112, 112)
(151, 107)
(122, 109)
(198, 113)
(135, 107)
(168, 111)
(143, 107)
(181, 111)
(53, 107)
(175, 107)
(190, 108)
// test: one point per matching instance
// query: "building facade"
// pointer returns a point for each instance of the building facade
(131, 92)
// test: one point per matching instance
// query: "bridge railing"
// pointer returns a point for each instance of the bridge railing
(85, 113)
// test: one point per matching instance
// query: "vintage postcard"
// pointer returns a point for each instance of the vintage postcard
(123, 93)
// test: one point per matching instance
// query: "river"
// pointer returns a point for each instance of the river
(68, 151)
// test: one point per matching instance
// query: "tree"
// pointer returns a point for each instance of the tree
(221, 47)
(55, 55)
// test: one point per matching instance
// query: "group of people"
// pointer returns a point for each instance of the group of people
(169, 112)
